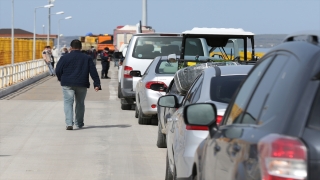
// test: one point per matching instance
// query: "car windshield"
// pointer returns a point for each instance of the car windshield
(223, 87)
(151, 47)
(232, 49)
(221, 48)
(164, 67)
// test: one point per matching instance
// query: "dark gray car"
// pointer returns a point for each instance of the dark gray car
(271, 128)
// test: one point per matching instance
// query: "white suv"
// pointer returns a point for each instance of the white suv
(142, 49)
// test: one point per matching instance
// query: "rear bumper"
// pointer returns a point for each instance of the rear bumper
(128, 93)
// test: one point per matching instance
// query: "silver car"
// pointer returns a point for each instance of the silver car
(151, 86)
(215, 85)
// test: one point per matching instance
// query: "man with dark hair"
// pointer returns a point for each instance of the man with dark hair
(73, 70)
(105, 62)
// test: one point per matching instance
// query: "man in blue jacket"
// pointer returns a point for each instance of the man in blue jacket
(73, 71)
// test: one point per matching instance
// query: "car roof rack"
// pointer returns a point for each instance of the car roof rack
(310, 36)
(218, 31)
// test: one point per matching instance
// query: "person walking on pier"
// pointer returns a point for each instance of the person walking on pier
(73, 70)
(105, 62)
(47, 58)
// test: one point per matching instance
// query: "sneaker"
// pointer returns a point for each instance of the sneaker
(107, 77)
(69, 128)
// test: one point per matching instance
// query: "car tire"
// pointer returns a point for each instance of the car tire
(136, 115)
(142, 119)
(161, 142)
(195, 177)
(125, 106)
(119, 91)
(169, 175)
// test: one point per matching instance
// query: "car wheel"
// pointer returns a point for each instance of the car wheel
(195, 177)
(169, 175)
(119, 91)
(137, 113)
(161, 142)
(142, 119)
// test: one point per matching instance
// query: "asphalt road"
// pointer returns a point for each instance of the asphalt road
(112, 145)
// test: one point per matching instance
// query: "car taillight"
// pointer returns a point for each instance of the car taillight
(150, 83)
(197, 128)
(219, 119)
(126, 72)
(282, 158)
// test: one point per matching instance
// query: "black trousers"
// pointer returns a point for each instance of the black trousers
(105, 68)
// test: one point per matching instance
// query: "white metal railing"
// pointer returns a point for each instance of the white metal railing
(11, 74)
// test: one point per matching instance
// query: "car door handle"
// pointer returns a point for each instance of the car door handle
(172, 119)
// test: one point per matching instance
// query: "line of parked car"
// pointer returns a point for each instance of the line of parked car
(222, 114)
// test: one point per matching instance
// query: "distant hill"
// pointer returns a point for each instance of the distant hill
(268, 40)
(261, 40)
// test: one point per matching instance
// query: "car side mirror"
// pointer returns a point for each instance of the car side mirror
(172, 58)
(201, 114)
(135, 73)
(169, 101)
(158, 87)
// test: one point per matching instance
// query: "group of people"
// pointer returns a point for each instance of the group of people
(49, 59)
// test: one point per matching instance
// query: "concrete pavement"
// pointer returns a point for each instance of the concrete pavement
(112, 145)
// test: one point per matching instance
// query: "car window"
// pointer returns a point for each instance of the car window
(245, 92)
(151, 47)
(164, 67)
(189, 96)
(193, 47)
(148, 69)
(261, 93)
(278, 96)
(314, 120)
(222, 88)
(197, 92)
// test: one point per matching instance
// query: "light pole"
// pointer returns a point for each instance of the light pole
(12, 35)
(43, 30)
(58, 45)
(49, 21)
(57, 13)
(34, 28)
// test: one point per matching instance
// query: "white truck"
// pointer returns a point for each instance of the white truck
(123, 34)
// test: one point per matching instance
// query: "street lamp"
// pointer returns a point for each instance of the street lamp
(57, 13)
(49, 21)
(12, 35)
(34, 28)
(69, 17)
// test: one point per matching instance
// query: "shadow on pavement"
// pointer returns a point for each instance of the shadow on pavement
(106, 126)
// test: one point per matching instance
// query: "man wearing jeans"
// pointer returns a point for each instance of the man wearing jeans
(73, 70)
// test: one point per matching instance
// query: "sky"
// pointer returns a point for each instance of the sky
(175, 16)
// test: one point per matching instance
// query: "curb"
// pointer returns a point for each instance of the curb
(17, 86)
